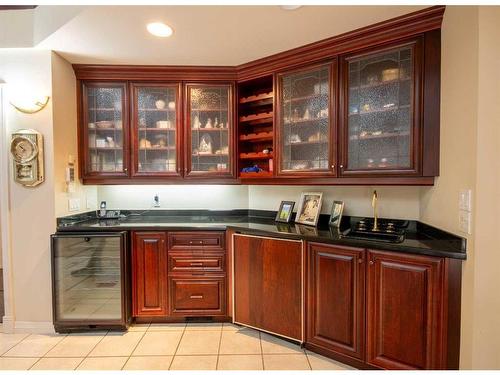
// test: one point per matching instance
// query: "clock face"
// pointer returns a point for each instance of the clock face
(23, 149)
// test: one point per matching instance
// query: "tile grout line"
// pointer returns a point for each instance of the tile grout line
(218, 349)
(177, 347)
(90, 351)
(308, 361)
(17, 343)
(135, 347)
(261, 351)
(39, 358)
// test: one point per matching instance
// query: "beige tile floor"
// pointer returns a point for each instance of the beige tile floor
(192, 346)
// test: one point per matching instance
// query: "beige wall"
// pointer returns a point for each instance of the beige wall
(470, 152)
(65, 138)
(486, 326)
(31, 209)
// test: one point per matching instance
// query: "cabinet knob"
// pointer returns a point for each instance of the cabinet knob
(341, 166)
(360, 261)
(125, 169)
(371, 263)
(333, 166)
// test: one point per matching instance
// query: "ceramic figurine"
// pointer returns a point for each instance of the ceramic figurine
(160, 104)
(205, 145)
(171, 105)
(216, 123)
(208, 124)
(196, 122)
(307, 115)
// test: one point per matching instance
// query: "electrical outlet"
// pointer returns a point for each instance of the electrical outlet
(464, 221)
(465, 200)
(74, 204)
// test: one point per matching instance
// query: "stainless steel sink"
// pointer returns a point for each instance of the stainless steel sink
(374, 235)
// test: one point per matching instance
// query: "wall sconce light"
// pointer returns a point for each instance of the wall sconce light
(33, 107)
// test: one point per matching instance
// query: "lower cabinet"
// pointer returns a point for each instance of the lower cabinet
(179, 274)
(195, 296)
(336, 299)
(268, 284)
(149, 274)
(380, 309)
(404, 311)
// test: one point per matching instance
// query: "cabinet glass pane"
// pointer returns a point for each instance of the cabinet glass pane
(157, 127)
(88, 278)
(210, 123)
(105, 128)
(380, 108)
(305, 123)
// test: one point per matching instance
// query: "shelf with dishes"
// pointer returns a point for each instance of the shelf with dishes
(306, 98)
(368, 110)
(365, 135)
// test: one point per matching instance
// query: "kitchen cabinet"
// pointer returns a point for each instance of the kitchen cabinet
(198, 294)
(268, 285)
(404, 311)
(156, 130)
(357, 109)
(306, 131)
(381, 106)
(336, 299)
(105, 130)
(209, 127)
(149, 274)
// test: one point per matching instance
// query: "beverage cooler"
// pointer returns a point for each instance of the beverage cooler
(90, 281)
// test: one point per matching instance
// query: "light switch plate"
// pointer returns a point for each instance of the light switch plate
(465, 200)
(464, 221)
(74, 204)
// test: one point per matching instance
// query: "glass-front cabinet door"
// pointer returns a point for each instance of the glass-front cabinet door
(305, 133)
(105, 129)
(155, 134)
(381, 104)
(209, 130)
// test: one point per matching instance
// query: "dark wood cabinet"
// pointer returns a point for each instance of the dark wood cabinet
(149, 274)
(336, 299)
(268, 284)
(361, 108)
(197, 295)
(156, 130)
(306, 121)
(381, 110)
(404, 311)
(209, 130)
(104, 125)
(179, 274)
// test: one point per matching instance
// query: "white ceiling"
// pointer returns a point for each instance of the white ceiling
(203, 35)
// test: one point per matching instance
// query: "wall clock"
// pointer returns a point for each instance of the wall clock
(26, 148)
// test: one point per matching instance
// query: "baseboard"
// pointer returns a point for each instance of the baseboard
(8, 324)
(33, 327)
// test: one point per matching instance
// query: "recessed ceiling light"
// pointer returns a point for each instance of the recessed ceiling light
(159, 29)
(290, 7)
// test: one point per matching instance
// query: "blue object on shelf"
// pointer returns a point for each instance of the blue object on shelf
(255, 168)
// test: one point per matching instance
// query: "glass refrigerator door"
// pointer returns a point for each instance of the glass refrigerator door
(88, 277)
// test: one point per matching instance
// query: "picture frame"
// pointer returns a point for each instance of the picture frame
(285, 212)
(309, 208)
(336, 214)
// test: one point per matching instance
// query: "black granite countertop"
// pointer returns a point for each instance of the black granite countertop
(419, 239)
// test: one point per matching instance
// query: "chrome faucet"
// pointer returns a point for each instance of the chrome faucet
(375, 213)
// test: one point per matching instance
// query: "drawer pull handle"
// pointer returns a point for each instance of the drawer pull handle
(196, 264)
(196, 296)
(196, 242)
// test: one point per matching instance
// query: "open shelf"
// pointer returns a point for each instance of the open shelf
(256, 126)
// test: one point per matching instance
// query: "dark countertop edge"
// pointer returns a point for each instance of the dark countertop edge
(268, 214)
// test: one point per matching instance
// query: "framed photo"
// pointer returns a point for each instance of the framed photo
(285, 211)
(336, 215)
(309, 208)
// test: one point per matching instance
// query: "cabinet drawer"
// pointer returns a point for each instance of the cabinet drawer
(196, 240)
(180, 263)
(191, 296)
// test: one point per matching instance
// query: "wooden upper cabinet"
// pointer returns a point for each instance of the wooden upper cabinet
(209, 130)
(381, 111)
(156, 129)
(104, 143)
(306, 131)
(335, 307)
(149, 274)
(404, 311)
